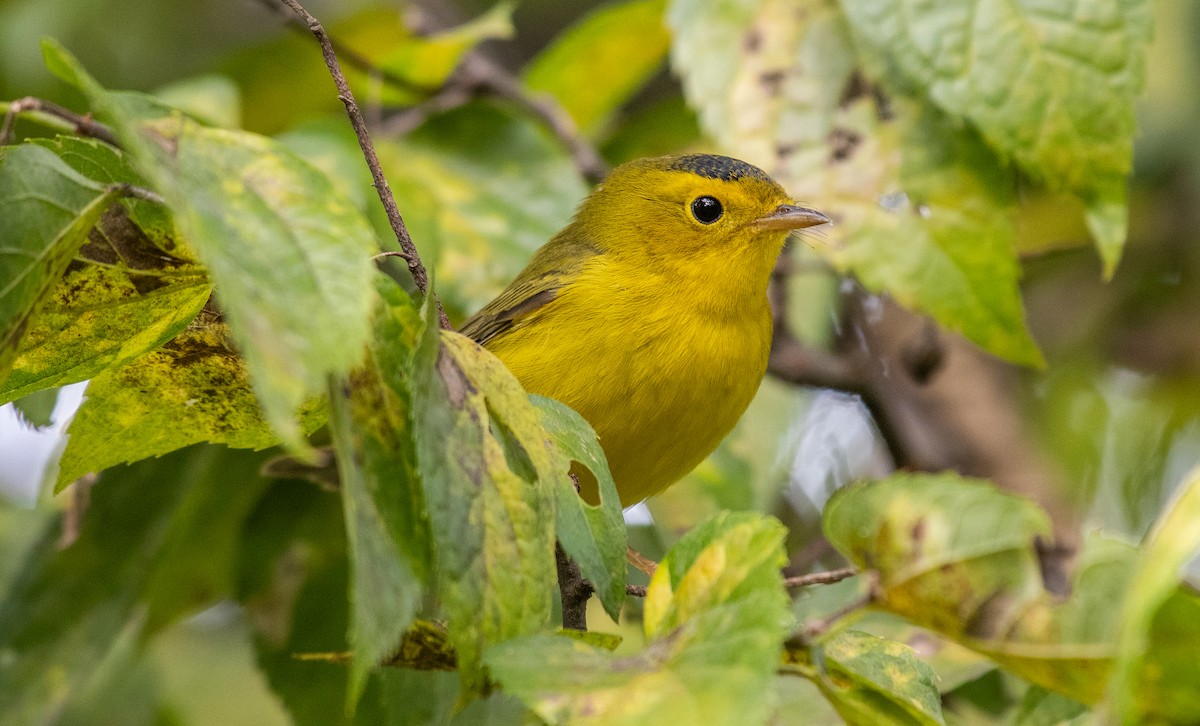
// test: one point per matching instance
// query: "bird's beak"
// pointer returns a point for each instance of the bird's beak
(789, 216)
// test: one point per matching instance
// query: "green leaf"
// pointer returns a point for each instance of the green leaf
(48, 209)
(593, 535)
(385, 592)
(37, 409)
(193, 389)
(429, 61)
(386, 528)
(960, 557)
(159, 540)
(977, 60)
(129, 289)
(716, 616)
(1045, 708)
(1159, 623)
(597, 64)
(489, 187)
(293, 587)
(958, 262)
(488, 469)
(211, 99)
(922, 208)
(288, 254)
(871, 680)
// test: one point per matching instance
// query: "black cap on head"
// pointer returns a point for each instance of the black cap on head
(713, 166)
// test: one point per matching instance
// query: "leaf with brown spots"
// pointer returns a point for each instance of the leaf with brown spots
(871, 680)
(47, 209)
(922, 208)
(193, 389)
(1050, 86)
(387, 530)
(715, 618)
(131, 287)
(288, 254)
(489, 475)
(960, 557)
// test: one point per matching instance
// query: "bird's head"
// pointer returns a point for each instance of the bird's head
(692, 207)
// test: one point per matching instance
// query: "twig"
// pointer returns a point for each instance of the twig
(131, 190)
(476, 75)
(820, 578)
(84, 125)
(350, 55)
(409, 119)
(420, 277)
(573, 589)
(492, 78)
(818, 626)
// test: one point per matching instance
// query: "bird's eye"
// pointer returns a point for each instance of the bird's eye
(706, 209)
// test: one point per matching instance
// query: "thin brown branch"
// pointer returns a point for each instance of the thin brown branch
(420, 277)
(132, 190)
(83, 125)
(820, 578)
(476, 75)
(817, 627)
(407, 120)
(492, 78)
(348, 54)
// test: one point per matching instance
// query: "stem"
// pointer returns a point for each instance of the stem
(420, 277)
(574, 590)
(820, 578)
(83, 125)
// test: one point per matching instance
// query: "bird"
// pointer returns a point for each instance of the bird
(648, 313)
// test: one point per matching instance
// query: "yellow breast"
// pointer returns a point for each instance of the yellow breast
(657, 373)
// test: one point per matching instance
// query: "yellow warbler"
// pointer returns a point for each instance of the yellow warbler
(648, 313)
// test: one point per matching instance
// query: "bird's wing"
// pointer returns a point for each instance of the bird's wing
(552, 268)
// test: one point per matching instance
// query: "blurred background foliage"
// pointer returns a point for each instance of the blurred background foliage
(1117, 409)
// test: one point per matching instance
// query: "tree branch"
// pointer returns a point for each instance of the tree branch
(476, 75)
(820, 578)
(83, 125)
(573, 589)
(420, 277)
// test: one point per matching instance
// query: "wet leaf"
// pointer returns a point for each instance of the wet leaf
(959, 557)
(1073, 127)
(716, 616)
(193, 389)
(922, 208)
(596, 65)
(288, 254)
(1155, 681)
(593, 535)
(488, 472)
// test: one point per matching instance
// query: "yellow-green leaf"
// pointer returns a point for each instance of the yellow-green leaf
(598, 63)
(713, 648)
